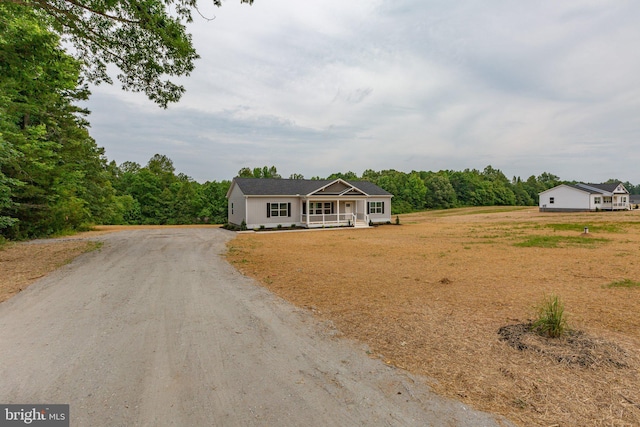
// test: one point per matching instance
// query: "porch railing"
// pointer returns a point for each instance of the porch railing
(617, 205)
(334, 219)
(361, 216)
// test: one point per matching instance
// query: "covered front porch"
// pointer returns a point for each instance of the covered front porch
(615, 202)
(338, 212)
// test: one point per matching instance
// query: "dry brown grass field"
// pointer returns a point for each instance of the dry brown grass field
(431, 294)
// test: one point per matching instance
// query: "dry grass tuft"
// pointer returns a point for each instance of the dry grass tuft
(430, 296)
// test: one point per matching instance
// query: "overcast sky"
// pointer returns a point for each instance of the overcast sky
(315, 87)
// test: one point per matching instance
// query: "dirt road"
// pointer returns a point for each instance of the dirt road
(156, 329)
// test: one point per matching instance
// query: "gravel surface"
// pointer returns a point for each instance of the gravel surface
(157, 329)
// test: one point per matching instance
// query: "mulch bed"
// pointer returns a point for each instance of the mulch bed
(576, 348)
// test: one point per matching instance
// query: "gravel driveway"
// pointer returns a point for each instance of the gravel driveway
(156, 329)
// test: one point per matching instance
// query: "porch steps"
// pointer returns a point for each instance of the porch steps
(360, 224)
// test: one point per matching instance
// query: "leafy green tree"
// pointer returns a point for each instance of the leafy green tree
(533, 187)
(263, 172)
(548, 180)
(632, 189)
(483, 194)
(501, 187)
(465, 184)
(52, 173)
(395, 182)
(146, 188)
(147, 40)
(440, 193)
(188, 203)
(245, 173)
(346, 176)
(521, 195)
(214, 202)
(371, 175)
(414, 191)
(162, 167)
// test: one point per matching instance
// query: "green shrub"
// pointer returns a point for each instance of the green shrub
(243, 225)
(551, 320)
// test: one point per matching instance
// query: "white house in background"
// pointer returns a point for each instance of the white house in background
(585, 197)
(267, 202)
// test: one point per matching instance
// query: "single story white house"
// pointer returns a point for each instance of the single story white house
(585, 197)
(268, 203)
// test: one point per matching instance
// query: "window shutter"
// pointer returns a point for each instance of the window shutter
(304, 208)
(288, 209)
(332, 208)
(382, 207)
(268, 210)
(368, 207)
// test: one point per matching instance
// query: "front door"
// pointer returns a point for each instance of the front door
(348, 208)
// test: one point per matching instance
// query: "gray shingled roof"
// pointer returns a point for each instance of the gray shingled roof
(609, 188)
(293, 187)
(596, 188)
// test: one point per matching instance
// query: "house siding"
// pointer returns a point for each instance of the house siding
(380, 218)
(257, 212)
(236, 206)
(565, 199)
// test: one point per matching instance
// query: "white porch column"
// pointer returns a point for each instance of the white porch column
(338, 210)
(308, 213)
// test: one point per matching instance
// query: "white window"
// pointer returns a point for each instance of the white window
(318, 208)
(552, 200)
(278, 209)
(376, 207)
(597, 200)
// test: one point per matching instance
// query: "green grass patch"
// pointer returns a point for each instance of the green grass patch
(593, 228)
(560, 241)
(625, 283)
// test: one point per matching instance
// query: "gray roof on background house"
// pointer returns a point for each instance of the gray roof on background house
(294, 187)
(609, 188)
(595, 188)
